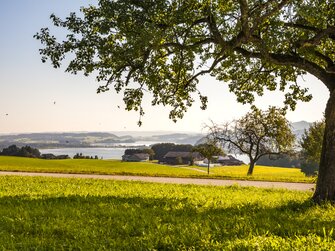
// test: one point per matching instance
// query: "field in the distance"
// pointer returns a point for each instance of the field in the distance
(149, 169)
(85, 214)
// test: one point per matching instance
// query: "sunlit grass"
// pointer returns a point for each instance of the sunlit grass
(149, 169)
(263, 173)
(92, 166)
(85, 214)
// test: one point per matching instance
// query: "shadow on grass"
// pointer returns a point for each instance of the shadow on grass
(111, 222)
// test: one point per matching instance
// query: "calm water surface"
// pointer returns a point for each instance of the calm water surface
(105, 153)
(112, 152)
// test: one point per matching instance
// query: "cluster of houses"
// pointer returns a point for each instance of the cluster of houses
(136, 157)
(185, 158)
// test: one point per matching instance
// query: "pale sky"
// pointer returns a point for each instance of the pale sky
(28, 88)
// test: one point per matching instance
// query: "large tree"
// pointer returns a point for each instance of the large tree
(164, 46)
(256, 134)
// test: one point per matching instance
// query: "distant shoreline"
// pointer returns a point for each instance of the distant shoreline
(85, 146)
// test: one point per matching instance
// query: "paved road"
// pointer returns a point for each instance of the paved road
(213, 182)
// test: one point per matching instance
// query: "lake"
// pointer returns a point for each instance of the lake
(112, 152)
(131, 145)
(104, 152)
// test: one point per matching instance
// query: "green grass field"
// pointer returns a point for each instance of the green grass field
(84, 214)
(149, 169)
(262, 173)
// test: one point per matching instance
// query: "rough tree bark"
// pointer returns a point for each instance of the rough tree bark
(251, 167)
(325, 187)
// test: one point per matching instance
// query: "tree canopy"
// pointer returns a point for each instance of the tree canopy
(311, 146)
(25, 151)
(311, 141)
(256, 134)
(164, 46)
(208, 150)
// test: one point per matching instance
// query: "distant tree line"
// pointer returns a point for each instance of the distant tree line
(25, 151)
(282, 160)
(29, 152)
(81, 156)
(163, 148)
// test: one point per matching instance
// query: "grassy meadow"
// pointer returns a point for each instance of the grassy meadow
(85, 214)
(92, 166)
(149, 169)
(263, 173)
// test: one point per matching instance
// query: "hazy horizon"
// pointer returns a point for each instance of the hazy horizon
(123, 133)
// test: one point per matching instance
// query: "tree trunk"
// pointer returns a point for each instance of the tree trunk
(251, 167)
(208, 167)
(325, 186)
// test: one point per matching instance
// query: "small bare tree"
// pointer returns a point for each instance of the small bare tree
(256, 134)
(208, 150)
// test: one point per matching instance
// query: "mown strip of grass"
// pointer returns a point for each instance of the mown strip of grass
(149, 169)
(84, 214)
